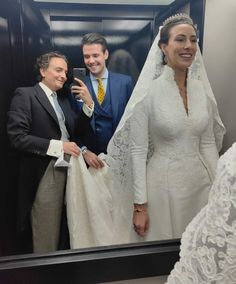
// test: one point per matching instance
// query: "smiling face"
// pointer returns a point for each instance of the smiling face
(54, 76)
(181, 47)
(95, 58)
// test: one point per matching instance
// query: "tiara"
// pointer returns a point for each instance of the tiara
(178, 18)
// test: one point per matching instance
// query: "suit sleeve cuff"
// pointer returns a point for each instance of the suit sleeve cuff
(55, 148)
(88, 110)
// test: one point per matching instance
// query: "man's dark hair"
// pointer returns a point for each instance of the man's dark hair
(94, 38)
(42, 62)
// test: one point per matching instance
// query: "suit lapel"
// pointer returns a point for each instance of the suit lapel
(114, 87)
(42, 98)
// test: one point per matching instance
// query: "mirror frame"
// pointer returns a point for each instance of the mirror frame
(93, 265)
(101, 264)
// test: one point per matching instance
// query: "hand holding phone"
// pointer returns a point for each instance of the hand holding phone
(80, 90)
(79, 73)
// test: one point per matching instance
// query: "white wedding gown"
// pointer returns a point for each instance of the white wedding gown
(208, 246)
(175, 182)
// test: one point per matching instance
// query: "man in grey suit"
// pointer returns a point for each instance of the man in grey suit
(109, 106)
(42, 127)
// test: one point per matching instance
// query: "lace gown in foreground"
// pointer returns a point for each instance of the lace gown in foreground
(208, 249)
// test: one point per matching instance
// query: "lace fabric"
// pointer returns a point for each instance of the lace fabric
(208, 246)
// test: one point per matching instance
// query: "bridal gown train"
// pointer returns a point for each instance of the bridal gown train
(176, 180)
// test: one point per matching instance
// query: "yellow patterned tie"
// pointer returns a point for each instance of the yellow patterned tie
(101, 91)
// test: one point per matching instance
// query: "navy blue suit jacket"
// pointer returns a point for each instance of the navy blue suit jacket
(121, 87)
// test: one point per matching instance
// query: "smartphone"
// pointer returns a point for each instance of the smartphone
(79, 73)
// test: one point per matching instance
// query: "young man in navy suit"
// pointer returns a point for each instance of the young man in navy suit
(42, 126)
(108, 110)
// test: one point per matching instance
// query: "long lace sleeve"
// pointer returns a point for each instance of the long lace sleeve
(139, 149)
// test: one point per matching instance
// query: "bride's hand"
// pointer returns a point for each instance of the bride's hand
(140, 220)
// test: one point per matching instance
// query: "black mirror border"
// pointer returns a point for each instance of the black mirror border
(93, 265)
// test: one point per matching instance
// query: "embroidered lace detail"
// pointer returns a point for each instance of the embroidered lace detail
(119, 147)
(208, 250)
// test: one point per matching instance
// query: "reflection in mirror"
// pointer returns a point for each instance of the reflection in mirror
(156, 125)
(130, 30)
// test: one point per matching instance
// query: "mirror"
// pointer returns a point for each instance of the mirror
(62, 25)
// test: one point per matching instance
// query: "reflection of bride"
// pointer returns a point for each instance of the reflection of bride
(208, 246)
(159, 155)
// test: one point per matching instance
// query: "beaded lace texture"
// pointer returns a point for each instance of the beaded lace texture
(208, 246)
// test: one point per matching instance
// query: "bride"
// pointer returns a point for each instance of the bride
(162, 158)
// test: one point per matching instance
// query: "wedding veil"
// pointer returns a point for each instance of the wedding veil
(119, 146)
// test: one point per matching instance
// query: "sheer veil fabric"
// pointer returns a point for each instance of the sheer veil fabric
(116, 211)
(208, 245)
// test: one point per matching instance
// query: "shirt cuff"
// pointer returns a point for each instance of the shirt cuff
(55, 148)
(88, 110)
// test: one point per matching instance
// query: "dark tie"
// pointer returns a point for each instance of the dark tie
(101, 92)
(61, 118)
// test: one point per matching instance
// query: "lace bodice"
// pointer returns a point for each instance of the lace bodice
(172, 129)
(161, 120)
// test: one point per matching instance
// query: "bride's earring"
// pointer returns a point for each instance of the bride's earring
(165, 58)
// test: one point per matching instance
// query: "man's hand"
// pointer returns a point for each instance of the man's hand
(71, 148)
(93, 160)
(82, 91)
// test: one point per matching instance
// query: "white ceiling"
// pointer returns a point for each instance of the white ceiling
(120, 2)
